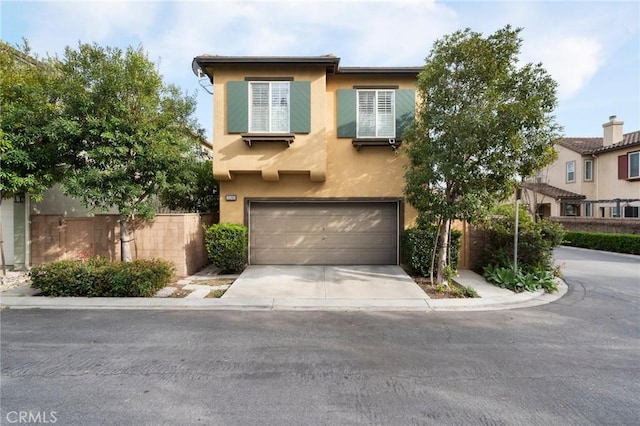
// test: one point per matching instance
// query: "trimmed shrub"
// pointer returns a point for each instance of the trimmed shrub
(536, 241)
(97, 277)
(417, 245)
(227, 246)
(619, 243)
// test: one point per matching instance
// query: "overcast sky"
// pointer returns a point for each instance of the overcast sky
(592, 49)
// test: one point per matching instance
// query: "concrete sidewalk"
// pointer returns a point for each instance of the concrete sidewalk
(340, 290)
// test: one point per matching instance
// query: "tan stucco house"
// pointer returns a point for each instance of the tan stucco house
(308, 156)
(595, 177)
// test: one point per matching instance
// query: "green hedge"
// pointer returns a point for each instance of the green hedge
(619, 243)
(227, 246)
(416, 248)
(536, 240)
(97, 277)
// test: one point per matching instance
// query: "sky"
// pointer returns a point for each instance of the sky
(591, 48)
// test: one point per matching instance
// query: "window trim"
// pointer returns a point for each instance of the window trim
(270, 106)
(629, 155)
(376, 91)
(573, 163)
(590, 168)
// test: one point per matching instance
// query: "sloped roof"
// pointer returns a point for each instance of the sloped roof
(628, 140)
(586, 146)
(552, 191)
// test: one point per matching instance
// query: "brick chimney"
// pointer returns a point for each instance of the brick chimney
(612, 131)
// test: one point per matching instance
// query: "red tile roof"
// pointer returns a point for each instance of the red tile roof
(595, 145)
(552, 191)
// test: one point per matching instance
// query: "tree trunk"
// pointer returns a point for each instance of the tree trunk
(442, 253)
(125, 241)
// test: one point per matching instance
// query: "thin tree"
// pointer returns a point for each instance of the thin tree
(482, 122)
(130, 134)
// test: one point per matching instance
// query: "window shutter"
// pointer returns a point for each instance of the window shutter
(405, 110)
(237, 107)
(346, 113)
(623, 167)
(300, 112)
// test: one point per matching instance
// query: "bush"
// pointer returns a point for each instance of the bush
(520, 281)
(227, 246)
(417, 245)
(536, 241)
(619, 243)
(97, 277)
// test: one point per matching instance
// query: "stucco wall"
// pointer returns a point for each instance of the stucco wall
(308, 151)
(604, 225)
(317, 165)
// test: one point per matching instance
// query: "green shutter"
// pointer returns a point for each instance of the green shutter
(346, 113)
(237, 107)
(300, 111)
(405, 110)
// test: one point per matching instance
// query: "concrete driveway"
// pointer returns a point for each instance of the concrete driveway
(325, 282)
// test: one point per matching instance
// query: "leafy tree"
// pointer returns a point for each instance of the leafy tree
(195, 191)
(31, 158)
(482, 122)
(130, 133)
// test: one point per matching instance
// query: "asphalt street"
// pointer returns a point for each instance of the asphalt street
(571, 362)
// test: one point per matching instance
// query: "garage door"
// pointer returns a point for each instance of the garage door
(323, 233)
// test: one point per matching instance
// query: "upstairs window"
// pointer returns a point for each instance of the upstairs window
(376, 114)
(258, 105)
(634, 165)
(269, 107)
(629, 166)
(588, 170)
(571, 171)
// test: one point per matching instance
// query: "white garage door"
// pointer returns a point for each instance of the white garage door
(323, 233)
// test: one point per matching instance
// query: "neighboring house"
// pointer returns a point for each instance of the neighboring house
(592, 177)
(306, 154)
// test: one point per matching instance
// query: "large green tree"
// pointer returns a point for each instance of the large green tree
(31, 157)
(130, 133)
(483, 121)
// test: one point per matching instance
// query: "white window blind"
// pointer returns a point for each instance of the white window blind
(376, 114)
(269, 107)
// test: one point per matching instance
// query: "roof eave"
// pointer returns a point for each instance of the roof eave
(379, 70)
(202, 62)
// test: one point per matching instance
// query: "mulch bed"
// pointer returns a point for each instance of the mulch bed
(425, 284)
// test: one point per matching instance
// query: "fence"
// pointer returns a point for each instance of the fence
(175, 237)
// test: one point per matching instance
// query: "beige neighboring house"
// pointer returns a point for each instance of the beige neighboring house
(307, 154)
(595, 177)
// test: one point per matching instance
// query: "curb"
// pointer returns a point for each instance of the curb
(513, 301)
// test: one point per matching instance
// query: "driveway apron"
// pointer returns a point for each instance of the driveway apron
(325, 282)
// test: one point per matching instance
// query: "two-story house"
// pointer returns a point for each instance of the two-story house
(592, 177)
(306, 153)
